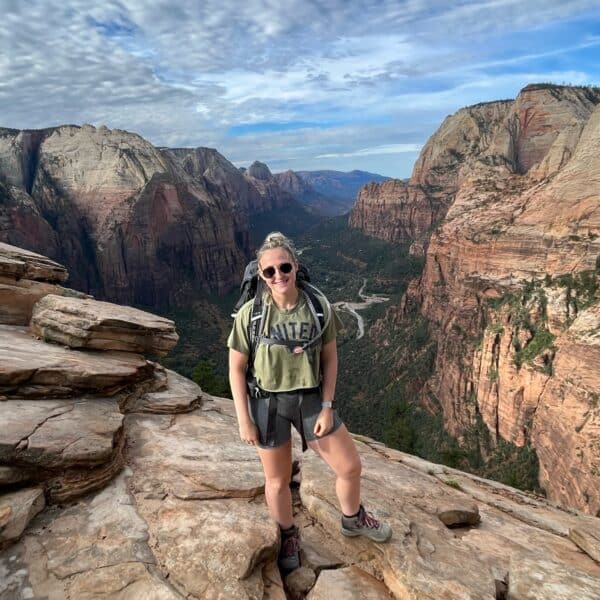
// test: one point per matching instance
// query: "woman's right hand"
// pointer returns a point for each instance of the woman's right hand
(248, 432)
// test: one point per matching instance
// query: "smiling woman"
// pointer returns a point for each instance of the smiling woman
(287, 376)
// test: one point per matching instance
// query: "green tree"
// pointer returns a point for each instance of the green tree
(211, 382)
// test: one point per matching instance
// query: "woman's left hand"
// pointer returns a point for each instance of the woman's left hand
(324, 422)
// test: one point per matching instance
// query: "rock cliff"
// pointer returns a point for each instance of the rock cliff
(131, 222)
(112, 485)
(510, 282)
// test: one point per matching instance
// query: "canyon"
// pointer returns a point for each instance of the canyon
(504, 204)
(112, 484)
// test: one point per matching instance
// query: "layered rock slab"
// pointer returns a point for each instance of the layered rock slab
(18, 263)
(424, 559)
(86, 323)
(25, 277)
(72, 446)
(194, 484)
(30, 368)
(92, 550)
(180, 396)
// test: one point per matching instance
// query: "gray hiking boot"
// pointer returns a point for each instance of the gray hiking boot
(367, 525)
(289, 552)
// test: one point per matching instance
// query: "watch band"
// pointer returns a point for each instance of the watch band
(329, 404)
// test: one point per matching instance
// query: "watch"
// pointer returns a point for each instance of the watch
(329, 404)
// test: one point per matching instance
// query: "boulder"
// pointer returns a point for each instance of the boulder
(86, 323)
(299, 582)
(459, 514)
(30, 368)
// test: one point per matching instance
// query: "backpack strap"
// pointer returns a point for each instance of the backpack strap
(257, 321)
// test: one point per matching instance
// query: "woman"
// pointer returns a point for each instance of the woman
(293, 371)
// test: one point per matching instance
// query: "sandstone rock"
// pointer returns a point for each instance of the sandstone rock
(351, 583)
(17, 298)
(299, 582)
(424, 559)
(10, 475)
(96, 548)
(72, 446)
(273, 589)
(31, 368)
(458, 515)
(540, 579)
(514, 204)
(125, 218)
(314, 556)
(192, 482)
(587, 541)
(16, 510)
(101, 326)
(209, 164)
(180, 395)
(54, 434)
(195, 456)
(18, 263)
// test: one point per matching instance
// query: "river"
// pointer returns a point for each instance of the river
(354, 307)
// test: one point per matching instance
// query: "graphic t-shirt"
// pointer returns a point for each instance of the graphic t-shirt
(275, 367)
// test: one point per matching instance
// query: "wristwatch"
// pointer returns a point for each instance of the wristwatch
(329, 404)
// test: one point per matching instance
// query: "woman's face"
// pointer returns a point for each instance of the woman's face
(273, 261)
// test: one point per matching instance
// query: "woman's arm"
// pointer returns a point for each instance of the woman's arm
(238, 363)
(329, 366)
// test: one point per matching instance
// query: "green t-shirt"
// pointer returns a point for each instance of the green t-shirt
(276, 368)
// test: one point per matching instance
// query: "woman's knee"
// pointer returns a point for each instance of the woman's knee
(350, 468)
(277, 485)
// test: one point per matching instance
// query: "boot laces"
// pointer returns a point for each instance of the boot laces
(290, 546)
(367, 519)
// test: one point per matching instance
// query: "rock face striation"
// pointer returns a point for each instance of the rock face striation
(510, 283)
(122, 492)
(132, 223)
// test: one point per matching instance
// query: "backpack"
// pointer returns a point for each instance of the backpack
(252, 287)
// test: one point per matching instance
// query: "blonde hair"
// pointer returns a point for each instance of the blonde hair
(276, 239)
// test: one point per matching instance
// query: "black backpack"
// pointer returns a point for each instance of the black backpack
(252, 286)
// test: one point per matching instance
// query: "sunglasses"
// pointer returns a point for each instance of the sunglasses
(269, 272)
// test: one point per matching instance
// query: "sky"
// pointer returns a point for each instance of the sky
(298, 84)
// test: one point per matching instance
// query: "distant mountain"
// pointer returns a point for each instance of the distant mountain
(339, 186)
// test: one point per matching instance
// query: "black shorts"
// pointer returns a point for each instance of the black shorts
(299, 408)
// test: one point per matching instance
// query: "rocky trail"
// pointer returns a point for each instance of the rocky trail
(130, 482)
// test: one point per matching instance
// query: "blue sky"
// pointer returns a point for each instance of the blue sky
(338, 84)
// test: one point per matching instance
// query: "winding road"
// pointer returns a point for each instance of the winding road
(353, 307)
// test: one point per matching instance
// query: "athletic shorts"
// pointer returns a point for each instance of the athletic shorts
(299, 408)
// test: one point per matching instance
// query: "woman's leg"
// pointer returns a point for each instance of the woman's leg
(277, 465)
(339, 452)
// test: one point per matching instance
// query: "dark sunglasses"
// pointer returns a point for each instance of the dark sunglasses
(285, 268)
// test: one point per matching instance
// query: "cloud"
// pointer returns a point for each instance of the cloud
(389, 149)
(214, 72)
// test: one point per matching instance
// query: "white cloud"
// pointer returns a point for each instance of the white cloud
(388, 149)
(184, 73)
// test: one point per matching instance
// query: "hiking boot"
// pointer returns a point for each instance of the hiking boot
(365, 524)
(289, 553)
